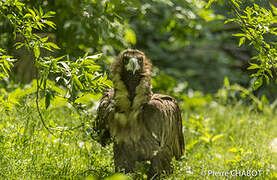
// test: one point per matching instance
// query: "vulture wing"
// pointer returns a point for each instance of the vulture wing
(163, 118)
(105, 111)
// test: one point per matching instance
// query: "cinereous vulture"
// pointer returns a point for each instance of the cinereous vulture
(144, 127)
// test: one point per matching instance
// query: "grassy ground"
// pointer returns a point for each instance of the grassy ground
(220, 138)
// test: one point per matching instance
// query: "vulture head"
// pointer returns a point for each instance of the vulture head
(131, 75)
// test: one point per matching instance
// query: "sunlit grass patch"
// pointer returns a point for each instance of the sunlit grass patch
(219, 138)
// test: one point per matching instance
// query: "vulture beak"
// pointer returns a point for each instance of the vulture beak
(133, 65)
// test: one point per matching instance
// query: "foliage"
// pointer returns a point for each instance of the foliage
(78, 77)
(257, 26)
(6, 63)
(186, 41)
(90, 26)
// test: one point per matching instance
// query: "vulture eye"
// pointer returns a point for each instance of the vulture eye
(140, 60)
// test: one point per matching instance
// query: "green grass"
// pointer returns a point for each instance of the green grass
(219, 137)
(226, 138)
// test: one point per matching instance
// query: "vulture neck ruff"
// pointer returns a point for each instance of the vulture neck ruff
(131, 82)
(126, 124)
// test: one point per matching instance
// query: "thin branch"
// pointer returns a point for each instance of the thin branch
(77, 127)
(37, 106)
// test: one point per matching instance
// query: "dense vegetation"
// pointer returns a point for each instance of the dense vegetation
(54, 65)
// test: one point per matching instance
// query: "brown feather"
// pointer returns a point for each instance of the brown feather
(145, 127)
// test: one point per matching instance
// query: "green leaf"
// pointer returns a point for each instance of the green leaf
(253, 66)
(48, 48)
(216, 137)
(7, 65)
(2, 50)
(36, 51)
(59, 58)
(274, 9)
(44, 39)
(130, 36)
(28, 15)
(4, 69)
(226, 82)
(239, 35)
(10, 16)
(77, 82)
(264, 100)
(40, 11)
(48, 98)
(209, 3)
(229, 20)
(18, 45)
(236, 3)
(205, 139)
(50, 23)
(241, 41)
(32, 12)
(49, 14)
(108, 83)
(40, 25)
(53, 45)
(269, 72)
(258, 83)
